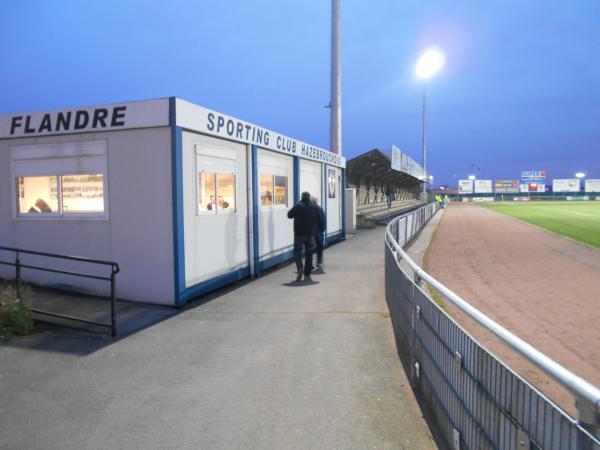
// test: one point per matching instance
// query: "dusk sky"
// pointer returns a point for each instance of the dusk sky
(520, 91)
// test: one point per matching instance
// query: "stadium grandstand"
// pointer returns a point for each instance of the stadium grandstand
(371, 174)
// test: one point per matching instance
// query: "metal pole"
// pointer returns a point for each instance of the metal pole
(113, 300)
(336, 82)
(426, 176)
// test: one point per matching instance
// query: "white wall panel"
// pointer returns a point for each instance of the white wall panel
(276, 231)
(311, 179)
(214, 244)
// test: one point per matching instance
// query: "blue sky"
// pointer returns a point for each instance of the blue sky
(521, 89)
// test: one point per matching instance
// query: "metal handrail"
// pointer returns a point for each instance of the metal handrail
(112, 279)
(586, 394)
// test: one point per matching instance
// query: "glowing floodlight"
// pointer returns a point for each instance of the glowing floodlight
(471, 177)
(430, 63)
(580, 175)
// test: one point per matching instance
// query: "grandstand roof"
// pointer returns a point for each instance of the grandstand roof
(375, 168)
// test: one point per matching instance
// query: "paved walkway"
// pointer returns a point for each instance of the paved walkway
(267, 365)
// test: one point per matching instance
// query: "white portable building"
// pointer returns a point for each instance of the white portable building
(183, 198)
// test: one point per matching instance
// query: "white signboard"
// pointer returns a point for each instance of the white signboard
(592, 185)
(465, 186)
(118, 116)
(204, 120)
(566, 185)
(396, 158)
(483, 186)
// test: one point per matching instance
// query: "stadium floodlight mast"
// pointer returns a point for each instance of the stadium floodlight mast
(430, 63)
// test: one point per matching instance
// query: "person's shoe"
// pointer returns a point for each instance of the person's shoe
(299, 276)
(307, 278)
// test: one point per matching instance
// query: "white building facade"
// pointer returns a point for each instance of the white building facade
(183, 198)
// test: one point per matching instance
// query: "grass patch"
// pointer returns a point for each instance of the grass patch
(437, 298)
(578, 220)
(367, 226)
(15, 317)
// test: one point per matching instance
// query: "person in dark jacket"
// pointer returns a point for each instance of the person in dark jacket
(306, 220)
(389, 194)
(320, 233)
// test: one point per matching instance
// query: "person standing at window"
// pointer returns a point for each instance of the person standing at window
(320, 233)
(306, 220)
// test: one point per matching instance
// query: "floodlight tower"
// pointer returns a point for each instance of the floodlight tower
(430, 62)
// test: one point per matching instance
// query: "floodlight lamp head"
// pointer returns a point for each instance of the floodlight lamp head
(580, 175)
(430, 63)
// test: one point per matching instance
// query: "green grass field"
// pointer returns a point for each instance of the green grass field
(578, 220)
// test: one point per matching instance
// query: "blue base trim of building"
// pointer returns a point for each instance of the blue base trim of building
(276, 260)
(210, 285)
(332, 238)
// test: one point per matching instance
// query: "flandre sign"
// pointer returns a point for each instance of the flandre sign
(69, 121)
(116, 116)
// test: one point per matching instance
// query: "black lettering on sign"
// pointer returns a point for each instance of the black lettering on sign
(28, 129)
(15, 122)
(118, 113)
(82, 119)
(220, 123)
(63, 120)
(239, 130)
(266, 138)
(100, 116)
(45, 125)
(211, 122)
(230, 127)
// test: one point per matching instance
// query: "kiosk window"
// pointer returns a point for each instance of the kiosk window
(266, 190)
(273, 190)
(82, 193)
(37, 195)
(280, 190)
(216, 185)
(66, 180)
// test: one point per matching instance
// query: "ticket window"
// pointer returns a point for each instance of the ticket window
(216, 185)
(273, 188)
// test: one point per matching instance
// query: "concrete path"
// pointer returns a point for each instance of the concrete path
(270, 365)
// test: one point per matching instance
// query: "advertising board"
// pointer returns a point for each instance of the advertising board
(483, 186)
(532, 187)
(404, 163)
(533, 175)
(507, 186)
(592, 185)
(465, 186)
(565, 185)
(396, 158)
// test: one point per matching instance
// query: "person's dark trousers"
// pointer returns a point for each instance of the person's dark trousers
(308, 243)
(389, 201)
(319, 245)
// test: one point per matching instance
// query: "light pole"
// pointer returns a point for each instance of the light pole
(580, 176)
(430, 62)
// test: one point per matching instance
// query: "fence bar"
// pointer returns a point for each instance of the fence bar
(520, 409)
(112, 279)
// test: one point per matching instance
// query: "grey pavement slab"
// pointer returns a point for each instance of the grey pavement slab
(268, 364)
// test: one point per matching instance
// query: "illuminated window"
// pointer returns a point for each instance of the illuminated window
(216, 185)
(281, 195)
(273, 190)
(61, 180)
(37, 195)
(82, 193)
(207, 192)
(266, 190)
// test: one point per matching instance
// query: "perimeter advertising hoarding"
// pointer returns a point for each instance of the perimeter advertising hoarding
(566, 185)
(465, 186)
(507, 186)
(592, 185)
(483, 186)
(532, 187)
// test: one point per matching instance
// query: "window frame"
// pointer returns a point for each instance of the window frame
(218, 210)
(274, 205)
(46, 153)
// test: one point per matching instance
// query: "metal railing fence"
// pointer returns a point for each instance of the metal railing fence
(476, 400)
(19, 266)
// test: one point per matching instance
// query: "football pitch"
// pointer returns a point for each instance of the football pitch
(578, 220)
